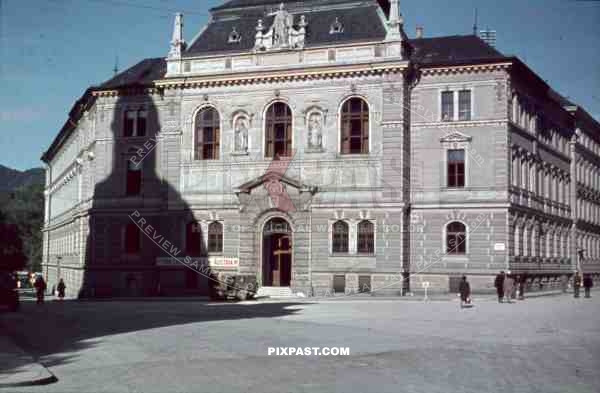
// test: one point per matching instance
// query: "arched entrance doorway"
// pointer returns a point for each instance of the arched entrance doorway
(277, 253)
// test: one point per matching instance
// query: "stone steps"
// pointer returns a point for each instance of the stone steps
(275, 292)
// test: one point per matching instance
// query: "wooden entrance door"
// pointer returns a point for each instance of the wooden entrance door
(277, 256)
(282, 256)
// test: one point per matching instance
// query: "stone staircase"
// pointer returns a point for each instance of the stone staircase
(275, 292)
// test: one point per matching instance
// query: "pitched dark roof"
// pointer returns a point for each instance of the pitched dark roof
(141, 74)
(385, 4)
(360, 24)
(449, 50)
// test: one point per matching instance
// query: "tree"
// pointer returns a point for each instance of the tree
(11, 247)
(23, 212)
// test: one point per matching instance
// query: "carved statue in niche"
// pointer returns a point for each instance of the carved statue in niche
(241, 134)
(315, 131)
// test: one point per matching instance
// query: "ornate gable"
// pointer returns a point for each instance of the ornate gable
(277, 192)
(455, 136)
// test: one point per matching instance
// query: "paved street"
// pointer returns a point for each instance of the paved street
(547, 344)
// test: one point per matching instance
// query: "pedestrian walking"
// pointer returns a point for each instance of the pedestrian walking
(40, 288)
(61, 289)
(588, 283)
(576, 284)
(465, 292)
(522, 282)
(499, 284)
(509, 284)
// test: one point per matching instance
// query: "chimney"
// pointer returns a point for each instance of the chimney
(419, 32)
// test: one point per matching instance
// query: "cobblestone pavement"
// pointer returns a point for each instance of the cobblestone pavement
(547, 344)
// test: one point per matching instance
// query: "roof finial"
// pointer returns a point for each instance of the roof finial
(475, 22)
(177, 42)
(394, 21)
(116, 67)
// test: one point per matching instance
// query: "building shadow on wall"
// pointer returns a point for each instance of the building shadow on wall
(138, 220)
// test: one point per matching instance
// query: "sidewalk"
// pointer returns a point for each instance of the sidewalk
(17, 368)
(416, 296)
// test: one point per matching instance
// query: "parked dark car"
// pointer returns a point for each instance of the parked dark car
(9, 295)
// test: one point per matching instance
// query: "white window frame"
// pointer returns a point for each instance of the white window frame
(445, 245)
(455, 103)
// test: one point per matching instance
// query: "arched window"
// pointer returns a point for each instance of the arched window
(215, 237)
(456, 238)
(193, 238)
(339, 237)
(207, 134)
(366, 238)
(354, 131)
(278, 130)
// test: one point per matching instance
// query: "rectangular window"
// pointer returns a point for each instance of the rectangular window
(447, 105)
(129, 125)
(132, 239)
(141, 123)
(464, 105)
(456, 168)
(193, 239)
(135, 123)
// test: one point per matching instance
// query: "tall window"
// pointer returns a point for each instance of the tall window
(215, 237)
(193, 238)
(456, 238)
(207, 134)
(133, 178)
(447, 105)
(464, 105)
(456, 168)
(366, 238)
(278, 133)
(456, 99)
(339, 237)
(355, 127)
(134, 123)
(132, 239)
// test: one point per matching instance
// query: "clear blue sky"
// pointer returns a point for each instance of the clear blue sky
(51, 50)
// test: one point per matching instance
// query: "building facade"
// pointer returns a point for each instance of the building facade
(313, 146)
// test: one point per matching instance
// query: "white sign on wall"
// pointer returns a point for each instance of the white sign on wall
(499, 247)
(223, 262)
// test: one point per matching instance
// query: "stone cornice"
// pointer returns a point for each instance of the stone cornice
(461, 69)
(316, 73)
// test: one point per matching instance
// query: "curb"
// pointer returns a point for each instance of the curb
(37, 382)
(18, 368)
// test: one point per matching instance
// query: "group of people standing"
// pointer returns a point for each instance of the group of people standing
(40, 289)
(588, 283)
(507, 286)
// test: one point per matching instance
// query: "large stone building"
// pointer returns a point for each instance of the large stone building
(312, 145)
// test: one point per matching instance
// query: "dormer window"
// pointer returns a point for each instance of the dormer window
(336, 27)
(234, 37)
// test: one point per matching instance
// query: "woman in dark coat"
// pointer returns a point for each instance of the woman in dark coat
(465, 291)
(61, 289)
(499, 284)
(40, 287)
(587, 284)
